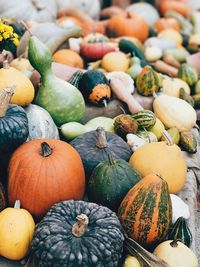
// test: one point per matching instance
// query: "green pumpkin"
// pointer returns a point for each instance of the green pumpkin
(110, 181)
(148, 81)
(145, 119)
(188, 74)
(61, 99)
(181, 231)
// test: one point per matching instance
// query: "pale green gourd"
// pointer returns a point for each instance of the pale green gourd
(62, 100)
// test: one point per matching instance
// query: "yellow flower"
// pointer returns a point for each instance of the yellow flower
(6, 35)
(1, 38)
(16, 41)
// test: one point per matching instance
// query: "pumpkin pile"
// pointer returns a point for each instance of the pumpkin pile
(95, 130)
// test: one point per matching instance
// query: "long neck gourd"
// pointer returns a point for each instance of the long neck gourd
(62, 100)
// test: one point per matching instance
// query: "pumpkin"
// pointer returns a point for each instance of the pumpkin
(166, 23)
(188, 74)
(36, 165)
(13, 123)
(78, 233)
(94, 86)
(144, 118)
(128, 24)
(94, 146)
(171, 5)
(163, 158)
(175, 253)
(24, 90)
(181, 231)
(171, 34)
(110, 181)
(172, 86)
(68, 57)
(115, 61)
(174, 112)
(148, 81)
(145, 212)
(40, 123)
(16, 232)
(3, 201)
(23, 65)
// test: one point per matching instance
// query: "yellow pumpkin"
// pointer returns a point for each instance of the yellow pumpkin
(157, 129)
(175, 112)
(172, 35)
(115, 61)
(16, 232)
(21, 64)
(176, 254)
(172, 86)
(24, 90)
(163, 158)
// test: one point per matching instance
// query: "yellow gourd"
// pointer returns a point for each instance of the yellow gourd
(163, 158)
(175, 112)
(115, 61)
(176, 254)
(16, 232)
(24, 90)
(171, 34)
(21, 64)
(158, 129)
(131, 261)
(172, 86)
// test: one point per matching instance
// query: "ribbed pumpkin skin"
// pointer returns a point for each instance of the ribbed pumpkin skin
(92, 155)
(145, 119)
(3, 202)
(145, 213)
(147, 82)
(188, 74)
(181, 231)
(110, 182)
(54, 245)
(13, 128)
(39, 182)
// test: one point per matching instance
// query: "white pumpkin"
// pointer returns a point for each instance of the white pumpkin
(172, 86)
(174, 112)
(179, 208)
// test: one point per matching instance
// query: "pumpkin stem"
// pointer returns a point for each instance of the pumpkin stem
(168, 138)
(46, 149)
(110, 159)
(5, 96)
(174, 243)
(17, 204)
(105, 103)
(101, 138)
(79, 228)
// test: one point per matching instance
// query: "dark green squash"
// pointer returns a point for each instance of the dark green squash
(181, 231)
(95, 88)
(110, 181)
(94, 146)
(77, 233)
(75, 78)
(13, 123)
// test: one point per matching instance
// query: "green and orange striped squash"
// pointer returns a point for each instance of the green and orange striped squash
(144, 118)
(148, 81)
(146, 211)
(188, 74)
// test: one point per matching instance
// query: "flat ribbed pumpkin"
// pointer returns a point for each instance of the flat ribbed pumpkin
(145, 213)
(164, 158)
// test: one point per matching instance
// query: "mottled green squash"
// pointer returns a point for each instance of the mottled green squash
(188, 74)
(185, 96)
(188, 142)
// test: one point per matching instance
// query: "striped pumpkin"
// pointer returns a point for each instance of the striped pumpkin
(145, 119)
(148, 81)
(187, 74)
(181, 231)
(146, 211)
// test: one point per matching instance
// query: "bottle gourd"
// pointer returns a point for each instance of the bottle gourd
(62, 100)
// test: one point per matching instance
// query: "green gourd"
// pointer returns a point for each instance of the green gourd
(135, 67)
(62, 100)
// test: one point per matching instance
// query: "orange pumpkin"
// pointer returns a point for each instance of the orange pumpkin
(178, 6)
(128, 24)
(68, 57)
(166, 23)
(43, 172)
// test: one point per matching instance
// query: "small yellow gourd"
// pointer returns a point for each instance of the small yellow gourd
(115, 61)
(24, 90)
(16, 232)
(172, 86)
(131, 261)
(158, 129)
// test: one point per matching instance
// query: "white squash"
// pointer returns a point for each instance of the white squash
(152, 53)
(176, 254)
(135, 141)
(179, 208)
(172, 86)
(174, 112)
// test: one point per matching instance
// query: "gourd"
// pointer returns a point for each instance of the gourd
(135, 141)
(175, 253)
(115, 61)
(158, 128)
(179, 208)
(125, 124)
(145, 119)
(94, 146)
(3, 200)
(161, 157)
(94, 86)
(110, 181)
(147, 136)
(153, 53)
(174, 134)
(195, 19)
(171, 34)
(13, 122)
(180, 231)
(24, 90)
(16, 232)
(91, 235)
(148, 81)
(23, 65)
(135, 67)
(196, 99)
(71, 130)
(174, 112)
(40, 123)
(68, 57)
(37, 164)
(179, 54)
(145, 212)
(166, 23)
(178, 6)
(61, 99)
(172, 86)
(188, 142)
(188, 74)
(131, 261)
